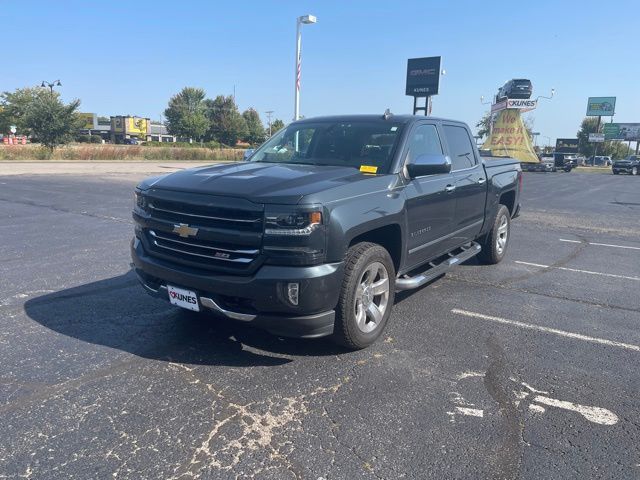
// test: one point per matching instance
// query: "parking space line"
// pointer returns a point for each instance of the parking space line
(589, 272)
(554, 331)
(599, 244)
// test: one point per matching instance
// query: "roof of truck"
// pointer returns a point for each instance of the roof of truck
(374, 117)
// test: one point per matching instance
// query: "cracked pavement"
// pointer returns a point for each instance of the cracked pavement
(99, 380)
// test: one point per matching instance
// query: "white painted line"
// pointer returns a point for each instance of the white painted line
(598, 415)
(473, 412)
(589, 272)
(599, 244)
(555, 331)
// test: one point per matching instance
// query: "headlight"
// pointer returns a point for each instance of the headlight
(294, 235)
(293, 223)
(140, 200)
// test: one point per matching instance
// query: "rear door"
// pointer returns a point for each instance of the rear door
(430, 199)
(470, 185)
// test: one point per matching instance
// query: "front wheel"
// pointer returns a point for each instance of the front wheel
(634, 171)
(615, 172)
(366, 297)
(494, 245)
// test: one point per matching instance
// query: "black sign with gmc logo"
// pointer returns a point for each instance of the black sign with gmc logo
(423, 76)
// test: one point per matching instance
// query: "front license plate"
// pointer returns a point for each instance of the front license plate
(183, 298)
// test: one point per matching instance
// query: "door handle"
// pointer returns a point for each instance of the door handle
(449, 188)
(481, 180)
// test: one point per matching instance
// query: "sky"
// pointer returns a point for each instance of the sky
(123, 57)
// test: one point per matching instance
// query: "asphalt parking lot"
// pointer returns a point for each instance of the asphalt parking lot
(527, 369)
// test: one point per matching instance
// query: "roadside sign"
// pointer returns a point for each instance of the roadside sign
(13, 129)
(423, 76)
(596, 137)
(522, 104)
(601, 106)
(567, 145)
(622, 131)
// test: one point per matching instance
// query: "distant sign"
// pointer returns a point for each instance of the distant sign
(567, 145)
(601, 106)
(87, 120)
(522, 104)
(622, 131)
(423, 76)
(13, 129)
(596, 137)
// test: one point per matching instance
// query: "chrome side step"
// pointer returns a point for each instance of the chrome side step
(435, 270)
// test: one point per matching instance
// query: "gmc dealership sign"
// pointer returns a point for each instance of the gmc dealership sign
(423, 76)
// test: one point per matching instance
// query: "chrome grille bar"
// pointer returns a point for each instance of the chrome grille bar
(196, 245)
(211, 257)
(208, 217)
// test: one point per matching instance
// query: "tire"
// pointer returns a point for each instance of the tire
(361, 314)
(495, 243)
(634, 171)
(615, 172)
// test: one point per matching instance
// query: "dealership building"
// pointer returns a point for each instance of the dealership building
(119, 128)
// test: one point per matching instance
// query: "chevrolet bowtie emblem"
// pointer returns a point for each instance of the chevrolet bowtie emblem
(185, 230)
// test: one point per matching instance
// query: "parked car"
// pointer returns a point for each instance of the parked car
(630, 165)
(325, 222)
(131, 141)
(546, 164)
(600, 161)
(515, 88)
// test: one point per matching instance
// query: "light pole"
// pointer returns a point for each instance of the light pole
(553, 92)
(51, 85)
(269, 113)
(306, 20)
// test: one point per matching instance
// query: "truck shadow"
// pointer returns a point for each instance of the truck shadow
(117, 313)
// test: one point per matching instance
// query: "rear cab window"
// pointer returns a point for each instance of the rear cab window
(460, 147)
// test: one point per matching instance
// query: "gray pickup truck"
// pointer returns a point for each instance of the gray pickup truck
(317, 230)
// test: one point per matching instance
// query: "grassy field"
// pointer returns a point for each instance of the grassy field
(118, 152)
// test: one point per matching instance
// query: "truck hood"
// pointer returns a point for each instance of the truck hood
(257, 182)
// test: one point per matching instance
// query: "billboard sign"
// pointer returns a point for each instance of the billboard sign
(87, 120)
(601, 106)
(596, 137)
(137, 126)
(423, 76)
(567, 145)
(622, 131)
(496, 107)
(522, 104)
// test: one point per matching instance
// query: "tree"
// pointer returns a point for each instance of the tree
(51, 121)
(484, 125)
(588, 125)
(14, 106)
(227, 126)
(255, 129)
(276, 125)
(186, 114)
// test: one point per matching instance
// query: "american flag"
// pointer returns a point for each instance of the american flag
(298, 74)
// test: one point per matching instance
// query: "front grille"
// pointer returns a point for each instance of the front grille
(223, 238)
(206, 216)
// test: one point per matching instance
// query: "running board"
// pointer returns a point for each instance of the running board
(435, 270)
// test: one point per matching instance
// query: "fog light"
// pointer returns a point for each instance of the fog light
(292, 292)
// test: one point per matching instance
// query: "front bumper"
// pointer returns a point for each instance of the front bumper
(259, 299)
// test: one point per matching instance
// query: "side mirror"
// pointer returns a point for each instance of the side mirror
(429, 165)
(247, 153)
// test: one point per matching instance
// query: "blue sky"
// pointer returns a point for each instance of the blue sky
(123, 57)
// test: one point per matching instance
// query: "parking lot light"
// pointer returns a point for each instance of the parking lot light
(303, 20)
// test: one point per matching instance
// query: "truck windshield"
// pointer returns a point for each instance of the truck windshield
(365, 145)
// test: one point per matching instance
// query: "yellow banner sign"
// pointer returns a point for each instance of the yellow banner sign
(509, 138)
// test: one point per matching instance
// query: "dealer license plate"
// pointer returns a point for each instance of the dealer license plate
(183, 298)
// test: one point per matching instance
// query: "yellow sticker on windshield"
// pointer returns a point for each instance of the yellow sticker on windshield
(368, 169)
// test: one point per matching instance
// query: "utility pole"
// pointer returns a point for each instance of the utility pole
(269, 113)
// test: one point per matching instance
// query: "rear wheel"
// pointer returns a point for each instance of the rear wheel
(366, 297)
(615, 172)
(494, 245)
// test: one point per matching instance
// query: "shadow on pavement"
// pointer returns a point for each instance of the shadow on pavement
(117, 313)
